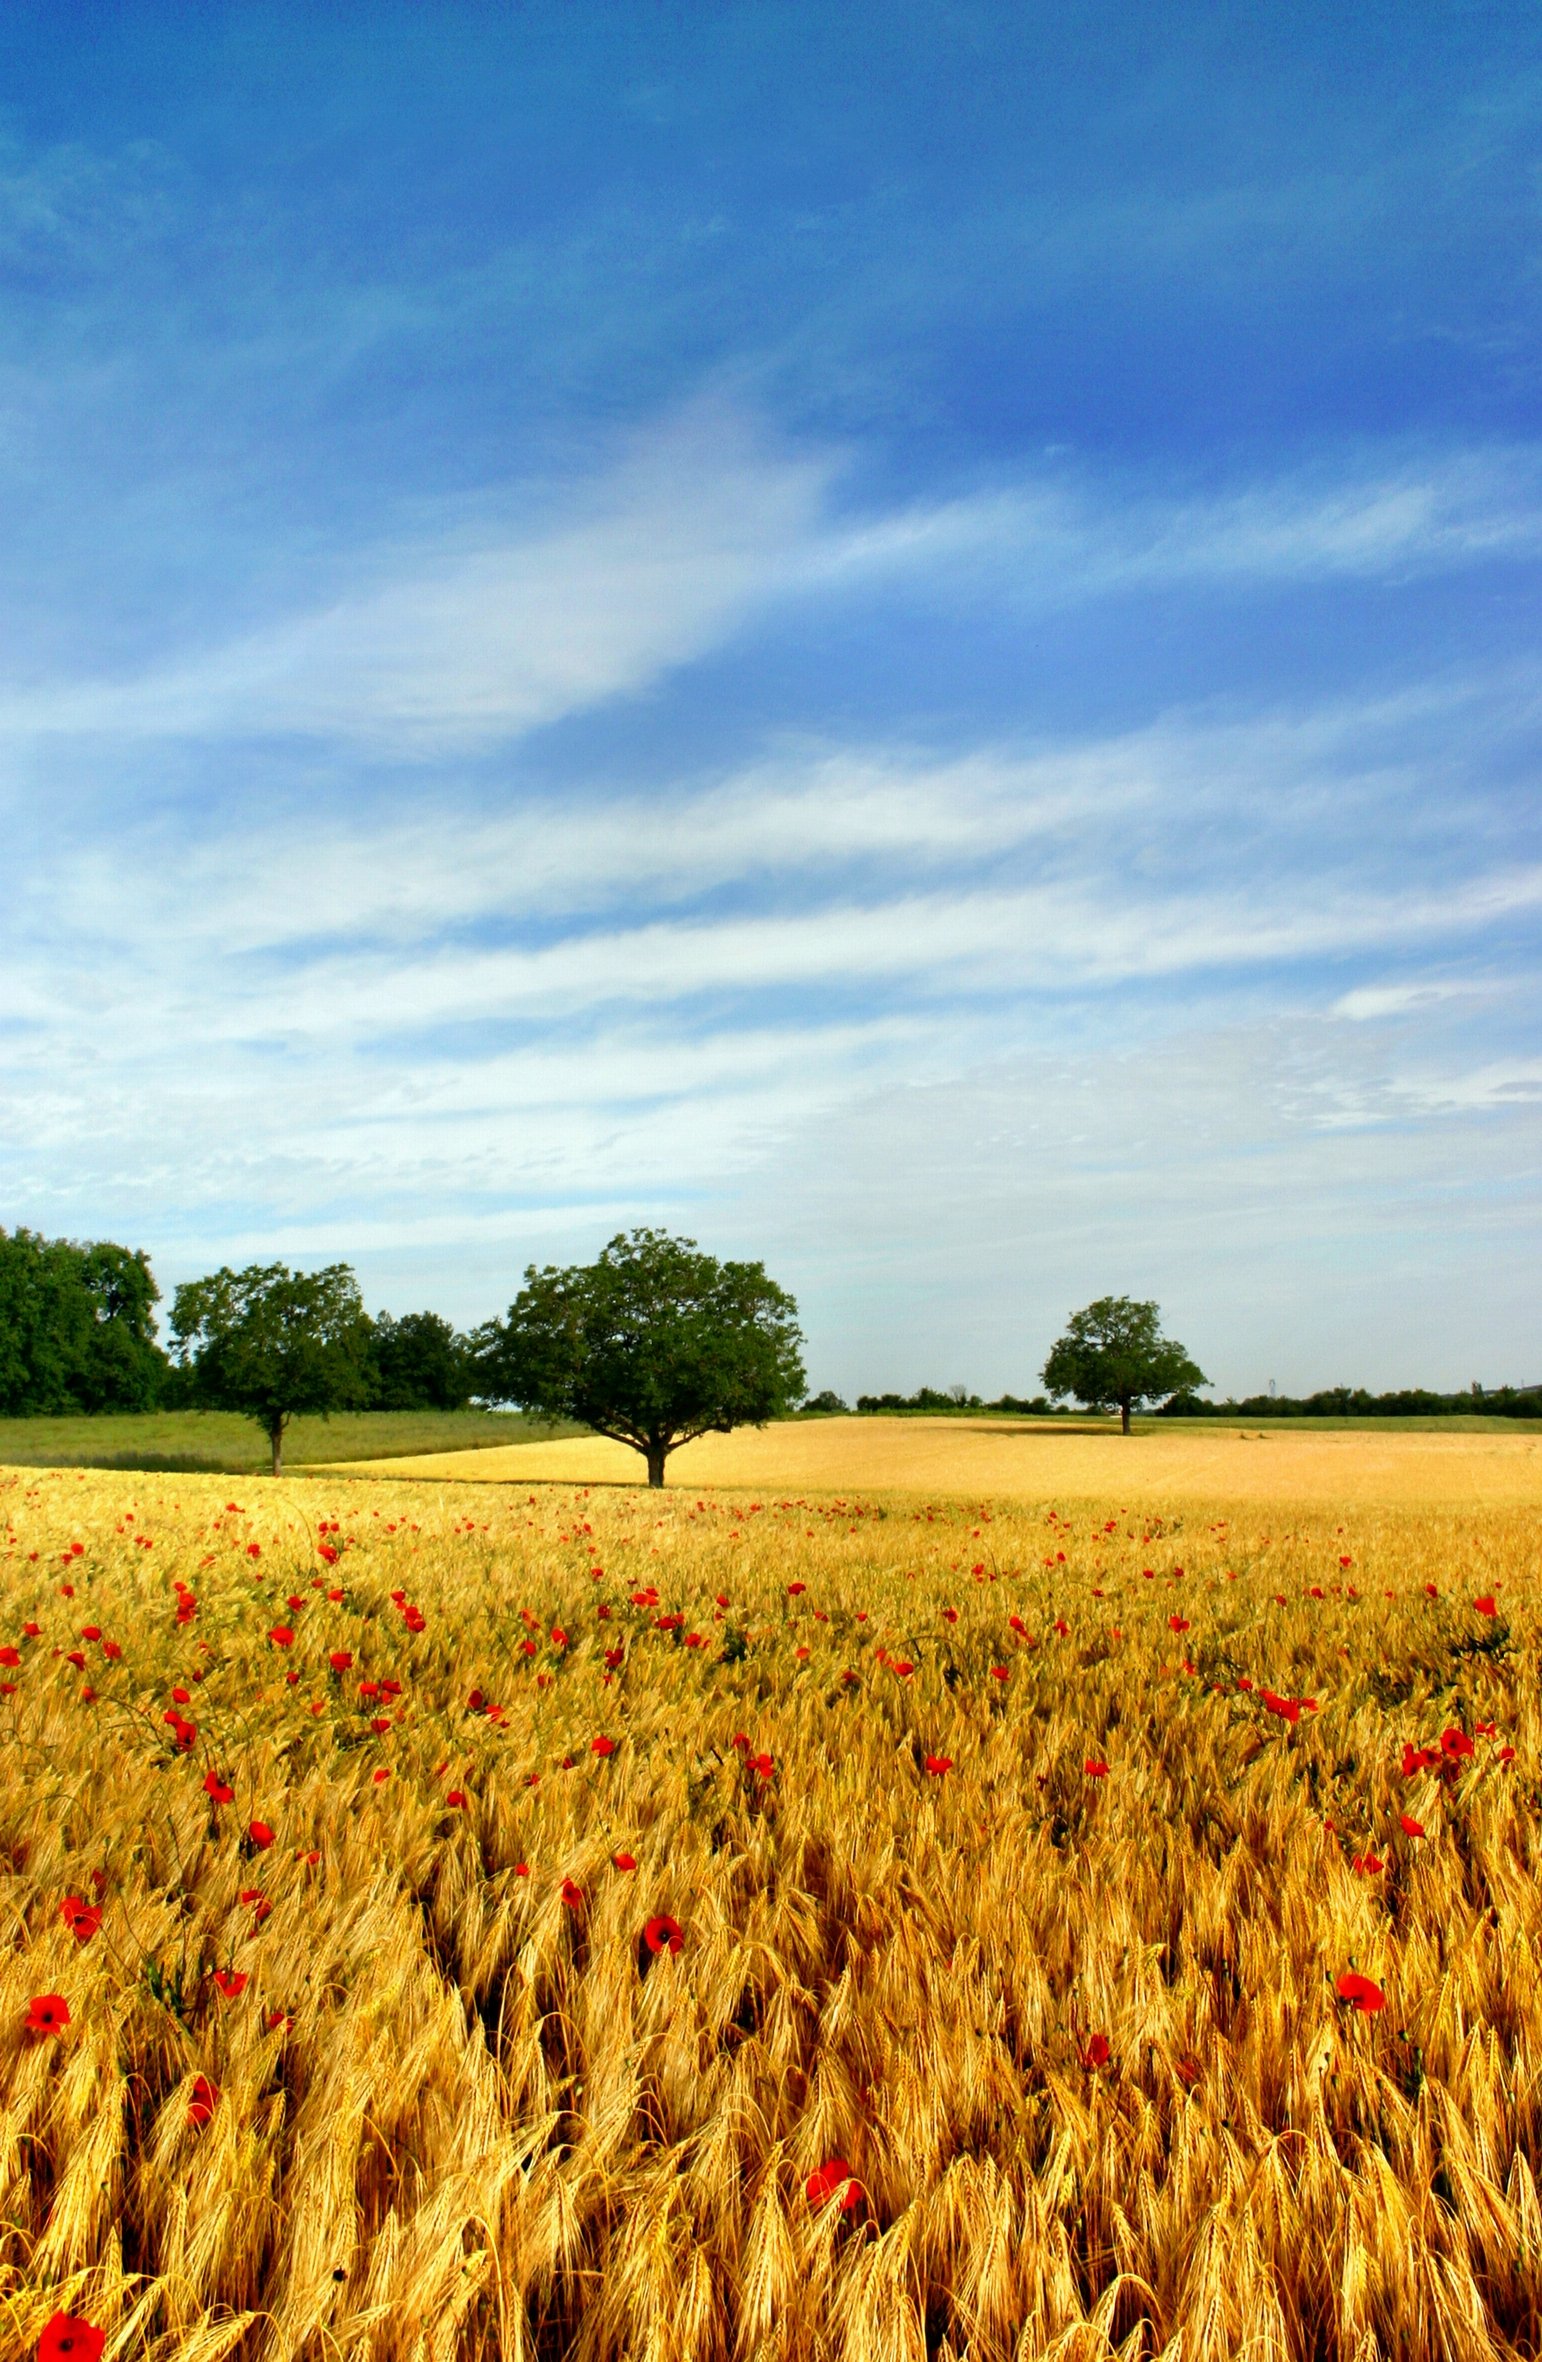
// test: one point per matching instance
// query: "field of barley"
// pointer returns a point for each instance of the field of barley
(532, 1920)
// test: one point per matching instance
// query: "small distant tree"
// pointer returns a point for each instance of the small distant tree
(653, 1343)
(1113, 1354)
(421, 1364)
(273, 1342)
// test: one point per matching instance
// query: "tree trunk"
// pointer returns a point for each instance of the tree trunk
(655, 1455)
(1124, 1418)
(276, 1439)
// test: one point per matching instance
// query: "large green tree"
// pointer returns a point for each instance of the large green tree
(1114, 1356)
(652, 1343)
(77, 1327)
(272, 1342)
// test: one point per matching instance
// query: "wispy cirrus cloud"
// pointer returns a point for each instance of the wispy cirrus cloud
(495, 625)
(1071, 536)
(481, 633)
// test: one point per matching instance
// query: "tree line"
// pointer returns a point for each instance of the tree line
(78, 1334)
(653, 1343)
(1353, 1402)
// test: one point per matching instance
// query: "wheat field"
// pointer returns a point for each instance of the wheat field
(535, 1921)
(1003, 1459)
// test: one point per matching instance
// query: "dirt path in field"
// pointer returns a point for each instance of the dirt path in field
(991, 1458)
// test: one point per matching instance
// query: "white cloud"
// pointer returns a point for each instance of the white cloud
(477, 636)
(1369, 1002)
(1074, 536)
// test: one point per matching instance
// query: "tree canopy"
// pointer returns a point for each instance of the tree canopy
(272, 1342)
(653, 1343)
(1113, 1355)
(77, 1327)
(421, 1364)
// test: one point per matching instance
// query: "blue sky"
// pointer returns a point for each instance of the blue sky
(900, 638)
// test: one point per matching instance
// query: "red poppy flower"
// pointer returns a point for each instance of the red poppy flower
(1454, 1744)
(1486, 1605)
(260, 1835)
(80, 1917)
(277, 2018)
(341, 1660)
(456, 1798)
(1368, 1864)
(1364, 1992)
(47, 2013)
(219, 1789)
(663, 1934)
(624, 1861)
(938, 1764)
(602, 1746)
(1096, 2052)
(231, 1982)
(615, 1657)
(522, 1869)
(1095, 1768)
(66, 2338)
(204, 2101)
(1411, 1827)
(382, 1775)
(836, 2181)
(572, 1894)
(281, 1636)
(1288, 1709)
(762, 1765)
(1177, 1623)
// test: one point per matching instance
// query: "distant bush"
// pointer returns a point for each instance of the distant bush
(954, 1398)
